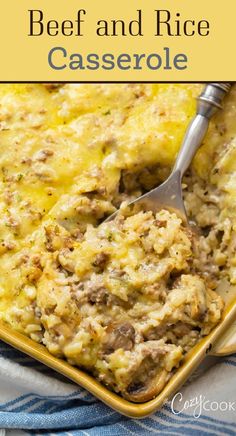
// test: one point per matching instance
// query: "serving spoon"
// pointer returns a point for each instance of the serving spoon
(169, 194)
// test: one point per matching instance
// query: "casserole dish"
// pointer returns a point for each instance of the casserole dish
(118, 302)
(219, 342)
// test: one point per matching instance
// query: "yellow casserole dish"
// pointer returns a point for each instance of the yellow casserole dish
(207, 346)
(70, 155)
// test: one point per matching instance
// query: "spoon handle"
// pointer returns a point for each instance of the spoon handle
(209, 102)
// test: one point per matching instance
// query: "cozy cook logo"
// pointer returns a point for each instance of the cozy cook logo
(198, 405)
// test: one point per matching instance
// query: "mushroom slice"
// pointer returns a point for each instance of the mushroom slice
(139, 392)
(119, 335)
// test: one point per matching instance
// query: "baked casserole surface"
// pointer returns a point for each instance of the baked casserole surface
(127, 299)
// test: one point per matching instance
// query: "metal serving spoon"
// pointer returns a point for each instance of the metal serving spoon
(169, 194)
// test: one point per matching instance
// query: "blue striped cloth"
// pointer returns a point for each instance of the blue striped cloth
(39, 402)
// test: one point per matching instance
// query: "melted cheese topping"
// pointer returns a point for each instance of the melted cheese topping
(56, 143)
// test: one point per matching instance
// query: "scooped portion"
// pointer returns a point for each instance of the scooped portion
(126, 302)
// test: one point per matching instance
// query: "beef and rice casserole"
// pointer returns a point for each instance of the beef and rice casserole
(127, 299)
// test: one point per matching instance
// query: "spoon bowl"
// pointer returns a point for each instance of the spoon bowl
(169, 194)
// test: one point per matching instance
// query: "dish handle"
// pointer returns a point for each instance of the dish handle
(226, 344)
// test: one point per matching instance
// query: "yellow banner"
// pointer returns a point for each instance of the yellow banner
(126, 40)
